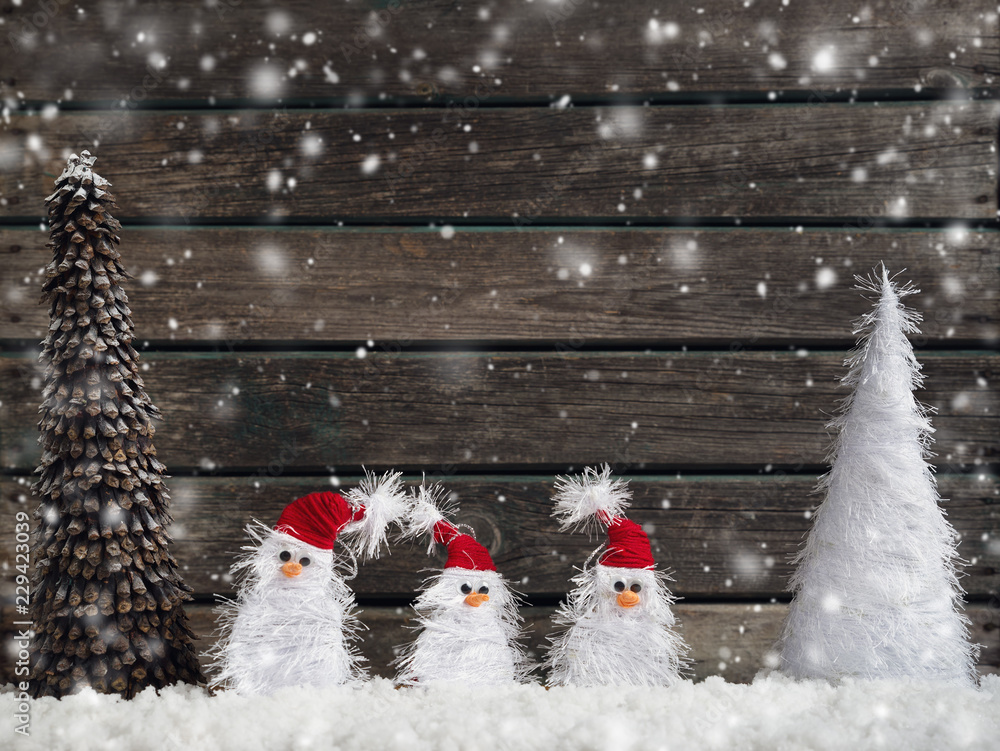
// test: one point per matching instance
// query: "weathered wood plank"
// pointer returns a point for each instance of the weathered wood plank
(721, 536)
(734, 641)
(510, 49)
(857, 162)
(678, 286)
(687, 410)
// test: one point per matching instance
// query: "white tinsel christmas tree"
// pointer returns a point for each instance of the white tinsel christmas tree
(876, 591)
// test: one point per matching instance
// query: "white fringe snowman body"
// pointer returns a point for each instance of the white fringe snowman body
(292, 623)
(467, 614)
(618, 625)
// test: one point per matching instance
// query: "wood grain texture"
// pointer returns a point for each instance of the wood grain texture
(689, 410)
(734, 641)
(720, 536)
(852, 162)
(246, 285)
(440, 48)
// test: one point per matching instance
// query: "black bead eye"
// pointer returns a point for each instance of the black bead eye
(285, 555)
(466, 589)
(619, 586)
(636, 587)
(306, 562)
(484, 590)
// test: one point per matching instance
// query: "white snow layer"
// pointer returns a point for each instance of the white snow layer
(775, 712)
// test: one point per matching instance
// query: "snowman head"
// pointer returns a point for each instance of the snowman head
(469, 586)
(624, 583)
(298, 552)
(625, 592)
(285, 562)
(468, 592)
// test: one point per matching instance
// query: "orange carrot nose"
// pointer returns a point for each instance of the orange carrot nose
(628, 599)
(292, 568)
(476, 599)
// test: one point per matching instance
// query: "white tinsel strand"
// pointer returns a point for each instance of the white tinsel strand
(876, 589)
(580, 499)
(282, 632)
(456, 642)
(429, 504)
(385, 503)
(604, 644)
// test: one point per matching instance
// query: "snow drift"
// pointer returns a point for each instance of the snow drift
(775, 712)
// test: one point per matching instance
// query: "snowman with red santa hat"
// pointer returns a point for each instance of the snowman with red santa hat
(467, 614)
(292, 623)
(619, 628)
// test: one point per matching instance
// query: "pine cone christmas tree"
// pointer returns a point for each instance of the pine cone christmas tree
(107, 601)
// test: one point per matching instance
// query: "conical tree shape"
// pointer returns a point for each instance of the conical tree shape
(107, 599)
(876, 592)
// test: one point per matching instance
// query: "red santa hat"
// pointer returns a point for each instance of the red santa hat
(366, 513)
(628, 545)
(316, 519)
(463, 550)
(426, 516)
(595, 495)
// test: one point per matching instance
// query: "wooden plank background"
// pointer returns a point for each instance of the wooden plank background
(658, 286)
(697, 410)
(498, 243)
(429, 49)
(900, 160)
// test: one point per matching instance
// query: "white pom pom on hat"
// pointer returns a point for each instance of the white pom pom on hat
(427, 516)
(594, 495)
